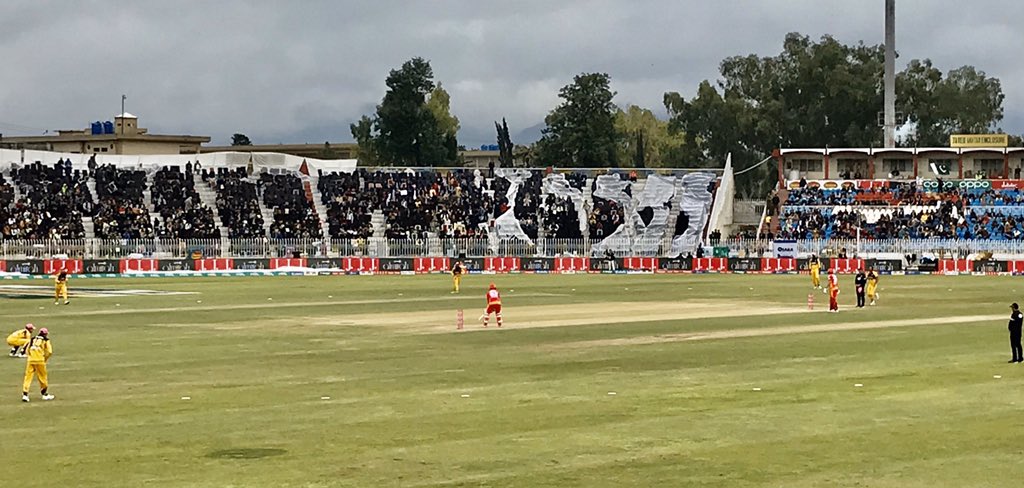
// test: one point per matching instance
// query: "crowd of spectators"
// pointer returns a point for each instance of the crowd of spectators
(53, 201)
(560, 218)
(528, 204)
(349, 210)
(605, 217)
(121, 212)
(294, 214)
(237, 202)
(461, 205)
(176, 200)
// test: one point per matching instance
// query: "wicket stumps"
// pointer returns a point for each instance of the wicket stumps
(459, 320)
(810, 301)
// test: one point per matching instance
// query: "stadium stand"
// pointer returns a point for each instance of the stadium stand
(294, 214)
(177, 202)
(52, 204)
(121, 212)
(348, 205)
(237, 202)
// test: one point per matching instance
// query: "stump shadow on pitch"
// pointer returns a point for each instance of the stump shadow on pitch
(246, 453)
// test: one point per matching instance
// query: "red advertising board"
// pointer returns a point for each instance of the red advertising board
(53, 266)
(287, 263)
(128, 265)
(572, 265)
(778, 265)
(215, 264)
(432, 265)
(955, 266)
(501, 265)
(845, 266)
(640, 264)
(360, 264)
(710, 265)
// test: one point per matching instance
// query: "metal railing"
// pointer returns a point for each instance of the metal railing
(476, 247)
(832, 247)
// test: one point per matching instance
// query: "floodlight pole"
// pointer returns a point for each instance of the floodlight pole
(889, 122)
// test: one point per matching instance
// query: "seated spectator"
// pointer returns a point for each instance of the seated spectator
(54, 199)
(121, 212)
(605, 218)
(237, 202)
(560, 218)
(294, 214)
(184, 215)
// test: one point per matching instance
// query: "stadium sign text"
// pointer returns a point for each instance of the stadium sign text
(933, 185)
(979, 140)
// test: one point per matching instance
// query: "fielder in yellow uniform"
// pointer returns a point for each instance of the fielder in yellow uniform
(39, 351)
(457, 271)
(872, 287)
(19, 339)
(60, 287)
(815, 267)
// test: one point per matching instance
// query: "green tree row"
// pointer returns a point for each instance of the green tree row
(819, 93)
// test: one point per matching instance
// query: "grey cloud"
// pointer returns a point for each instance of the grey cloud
(302, 71)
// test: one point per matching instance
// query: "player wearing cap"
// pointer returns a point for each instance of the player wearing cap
(39, 351)
(493, 305)
(457, 271)
(60, 287)
(833, 291)
(18, 339)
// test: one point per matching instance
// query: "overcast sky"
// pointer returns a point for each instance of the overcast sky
(302, 71)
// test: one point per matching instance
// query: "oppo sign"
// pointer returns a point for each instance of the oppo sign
(933, 185)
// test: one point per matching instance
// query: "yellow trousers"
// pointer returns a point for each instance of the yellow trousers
(60, 291)
(35, 369)
(17, 342)
(815, 279)
(456, 281)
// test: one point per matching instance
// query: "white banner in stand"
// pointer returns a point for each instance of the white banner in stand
(785, 249)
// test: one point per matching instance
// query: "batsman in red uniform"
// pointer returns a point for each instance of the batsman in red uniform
(833, 291)
(493, 305)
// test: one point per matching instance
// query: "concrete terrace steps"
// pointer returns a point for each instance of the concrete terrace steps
(318, 204)
(208, 196)
(378, 222)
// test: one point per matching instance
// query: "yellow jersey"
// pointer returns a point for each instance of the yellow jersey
(60, 278)
(19, 336)
(39, 350)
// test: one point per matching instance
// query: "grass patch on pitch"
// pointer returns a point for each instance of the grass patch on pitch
(341, 381)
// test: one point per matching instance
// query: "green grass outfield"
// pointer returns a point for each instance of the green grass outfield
(413, 402)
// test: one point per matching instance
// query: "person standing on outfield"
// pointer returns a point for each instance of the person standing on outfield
(872, 287)
(833, 291)
(60, 287)
(1016, 320)
(815, 267)
(39, 352)
(457, 271)
(493, 305)
(19, 339)
(860, 282)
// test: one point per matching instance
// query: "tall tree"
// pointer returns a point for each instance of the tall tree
(363, 132)
(412, 126)
(964, 101)
(581, 131)
(505, 147)
(821, 94)
(240, 140)
(645, 139)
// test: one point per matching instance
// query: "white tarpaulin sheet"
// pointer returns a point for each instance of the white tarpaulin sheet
(156, 161)
(507, 226)
(556, 184)
(696, 202)
(651, 214)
